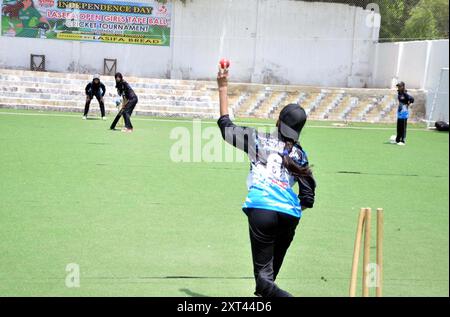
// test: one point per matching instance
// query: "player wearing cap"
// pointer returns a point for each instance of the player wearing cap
(272, 207)
(97, 89)
(405, 101)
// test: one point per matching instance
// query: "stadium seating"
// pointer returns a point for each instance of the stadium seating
(22, 89)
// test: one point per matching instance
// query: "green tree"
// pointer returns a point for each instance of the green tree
(404, 19)
(428, 20)
(394, 14)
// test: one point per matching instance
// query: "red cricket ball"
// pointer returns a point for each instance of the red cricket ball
(224, 63)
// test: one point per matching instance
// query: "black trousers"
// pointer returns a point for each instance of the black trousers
(402, 125)
(126, 113)
(271, 234)
(89, 98)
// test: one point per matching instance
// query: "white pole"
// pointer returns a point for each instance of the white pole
(427, 65)
(399, 64)
(433, 105)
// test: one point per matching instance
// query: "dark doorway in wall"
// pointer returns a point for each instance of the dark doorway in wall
(109, 66)
(37, 63)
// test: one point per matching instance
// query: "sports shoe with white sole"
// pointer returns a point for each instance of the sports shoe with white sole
(84, 118)
(401, 144)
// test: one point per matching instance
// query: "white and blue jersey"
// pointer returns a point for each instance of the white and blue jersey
(270, 184)
(404, 100)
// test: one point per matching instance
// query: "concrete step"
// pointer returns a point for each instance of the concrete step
(78, 91)
(79, 96)
(88, 77)
(111, 113)
(75, 104)
(108, 110)
(62, 91)
(66, 83)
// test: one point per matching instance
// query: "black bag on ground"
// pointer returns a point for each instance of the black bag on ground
(442, 126)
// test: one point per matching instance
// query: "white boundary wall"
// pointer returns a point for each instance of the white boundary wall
(417, 63)
(268, 41)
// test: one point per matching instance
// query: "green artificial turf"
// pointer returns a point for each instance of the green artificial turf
(139, 224)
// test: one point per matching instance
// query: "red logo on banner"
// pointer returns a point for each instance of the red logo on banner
(46, 3)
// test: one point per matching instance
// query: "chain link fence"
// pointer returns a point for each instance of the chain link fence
(407, 20)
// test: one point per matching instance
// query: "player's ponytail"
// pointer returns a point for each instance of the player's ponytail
(119, 84)
(288, 163)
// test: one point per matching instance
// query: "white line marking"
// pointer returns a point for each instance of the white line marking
(206, 121)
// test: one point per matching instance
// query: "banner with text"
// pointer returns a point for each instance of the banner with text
(88, 20)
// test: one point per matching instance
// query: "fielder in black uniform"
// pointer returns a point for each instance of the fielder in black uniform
(97, 89)
(129, 103)
(405, 102)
